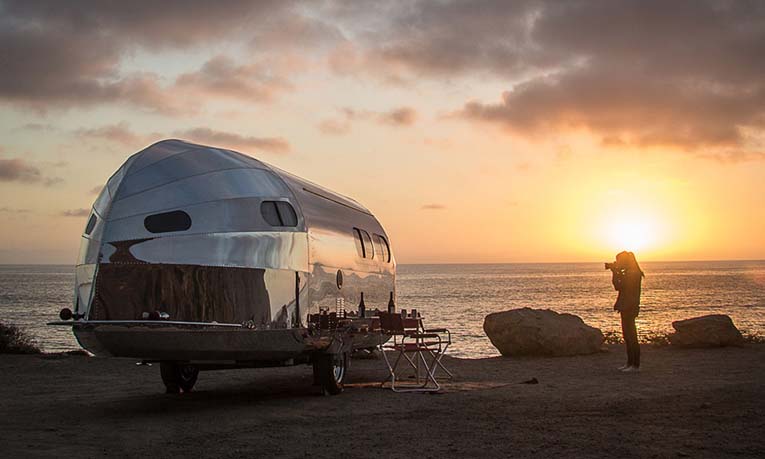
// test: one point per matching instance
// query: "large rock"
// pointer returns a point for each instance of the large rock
(541, 332)
(714, 330)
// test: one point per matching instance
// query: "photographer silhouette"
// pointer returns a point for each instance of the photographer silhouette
(627, 278)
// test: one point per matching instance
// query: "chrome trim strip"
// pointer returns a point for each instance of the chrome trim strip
(336, 201)
(142, 322)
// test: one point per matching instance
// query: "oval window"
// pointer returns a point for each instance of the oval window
(278, 213)
(167, 222)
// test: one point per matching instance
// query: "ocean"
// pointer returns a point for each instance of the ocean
(459, 296)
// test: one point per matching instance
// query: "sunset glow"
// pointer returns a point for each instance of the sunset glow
(569, 148)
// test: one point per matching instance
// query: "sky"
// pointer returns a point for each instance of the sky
(477, 132)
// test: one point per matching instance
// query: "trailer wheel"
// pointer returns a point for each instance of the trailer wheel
(178, 376)
(330, 370)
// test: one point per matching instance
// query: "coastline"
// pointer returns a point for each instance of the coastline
(684, 402)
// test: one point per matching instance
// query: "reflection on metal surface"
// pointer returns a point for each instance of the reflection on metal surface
(212, 186)
(230, 265)
(84, 282)
(277, 250)
(191, 343)
(226, 215)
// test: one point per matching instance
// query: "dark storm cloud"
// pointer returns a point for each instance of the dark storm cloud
(234, 141)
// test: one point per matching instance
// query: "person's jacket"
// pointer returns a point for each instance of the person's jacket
(627, 283)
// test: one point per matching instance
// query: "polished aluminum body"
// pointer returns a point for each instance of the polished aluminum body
(222, 191)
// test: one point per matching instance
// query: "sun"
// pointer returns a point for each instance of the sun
(634, 234)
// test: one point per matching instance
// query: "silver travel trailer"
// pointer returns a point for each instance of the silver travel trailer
(202, 258)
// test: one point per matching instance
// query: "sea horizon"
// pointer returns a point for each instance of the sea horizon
(721, 260)
(459, 295)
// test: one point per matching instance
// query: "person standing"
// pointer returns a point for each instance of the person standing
(627, 278)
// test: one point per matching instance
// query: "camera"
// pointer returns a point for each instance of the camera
(611, 266)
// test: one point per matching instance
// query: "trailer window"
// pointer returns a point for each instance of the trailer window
(382, 248)
(286, 213)
(278, 213)
(359, 244)
(369, 250)
(167, 222)
(91, 224)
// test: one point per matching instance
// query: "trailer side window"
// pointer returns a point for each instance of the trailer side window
(278, 213)
(369, 250)
(167, 222)
(91, 224)
(286, 213)
(359, 244)
(382, 248)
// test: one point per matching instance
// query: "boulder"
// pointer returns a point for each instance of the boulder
(715, 330)
(543, 332)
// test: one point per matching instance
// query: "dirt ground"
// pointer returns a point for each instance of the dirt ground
(684, 403)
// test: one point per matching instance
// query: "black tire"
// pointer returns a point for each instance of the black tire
(178, 376)
(331, 371)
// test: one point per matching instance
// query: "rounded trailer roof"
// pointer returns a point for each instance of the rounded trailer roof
(217, 186)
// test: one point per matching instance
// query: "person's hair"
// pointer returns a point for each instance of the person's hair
(628, 260)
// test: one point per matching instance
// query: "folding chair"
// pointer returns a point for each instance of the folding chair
(438, 353)
(411, 346)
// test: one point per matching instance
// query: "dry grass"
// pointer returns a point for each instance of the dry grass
(13, 340)
(662, 339)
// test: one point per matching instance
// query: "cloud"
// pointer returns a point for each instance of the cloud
(400, 116)
(687, 75)
(683, 74)
(65, 54)
(334, 127)
(403, 116)
(119, 133)
(12, 210)
(39, 127)
(433, 207)
(624, 109)
(51, 181)
(22, 171)
(235, 141)
(75, 213)
(222, 76)
(19, 170)
(96, 189)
